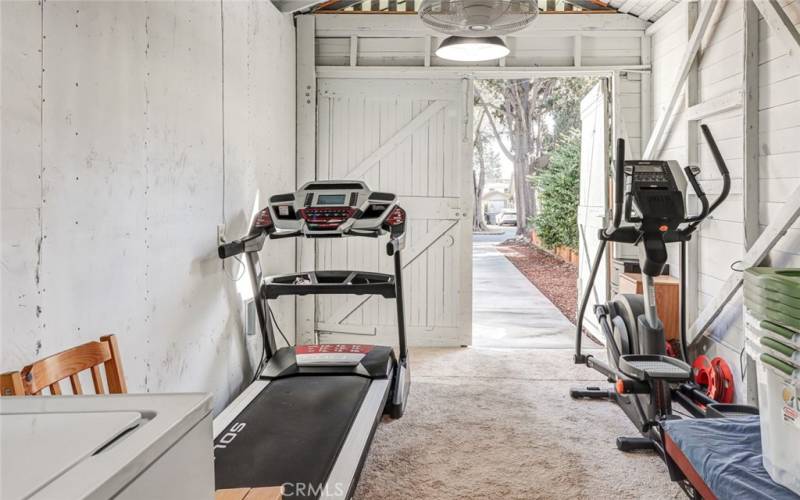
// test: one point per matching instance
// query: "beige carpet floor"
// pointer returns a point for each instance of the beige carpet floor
(499, 423)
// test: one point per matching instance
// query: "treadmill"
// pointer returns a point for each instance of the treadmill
(307, 420)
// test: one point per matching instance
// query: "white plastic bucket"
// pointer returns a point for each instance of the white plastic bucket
(779, 408)
(774, 347)
(786, 335)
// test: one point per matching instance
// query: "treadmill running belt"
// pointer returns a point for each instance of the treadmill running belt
(293, 431)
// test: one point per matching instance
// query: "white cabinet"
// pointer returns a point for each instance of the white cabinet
(127, 446)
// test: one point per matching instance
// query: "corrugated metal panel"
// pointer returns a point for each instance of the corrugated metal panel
(410, 6)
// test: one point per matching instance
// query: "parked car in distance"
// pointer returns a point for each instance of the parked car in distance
(507, 218)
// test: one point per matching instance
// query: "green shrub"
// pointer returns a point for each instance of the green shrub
(558, 188)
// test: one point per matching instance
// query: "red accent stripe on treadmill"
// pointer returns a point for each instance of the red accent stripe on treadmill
(688, 470)
(333, 349)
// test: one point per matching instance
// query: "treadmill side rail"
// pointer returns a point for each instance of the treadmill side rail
(345, 473)
(226, 416)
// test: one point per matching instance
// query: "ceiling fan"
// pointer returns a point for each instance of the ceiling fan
(475, 26)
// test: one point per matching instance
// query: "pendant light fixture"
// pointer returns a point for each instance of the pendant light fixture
(472, 49)
(474, 27)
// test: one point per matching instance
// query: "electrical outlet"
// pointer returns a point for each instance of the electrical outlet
(220, 234)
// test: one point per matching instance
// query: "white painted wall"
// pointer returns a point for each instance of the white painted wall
(779, 121)
(629, 101)
(721, 239)
(131, 130)
(668, 45)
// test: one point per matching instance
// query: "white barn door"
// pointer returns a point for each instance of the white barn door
(593, 195)
(412, 138)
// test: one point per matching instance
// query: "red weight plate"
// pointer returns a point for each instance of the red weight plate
(700, 369)
(704, 375)
(725, 380)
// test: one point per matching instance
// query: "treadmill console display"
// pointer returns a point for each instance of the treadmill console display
(330, 199)
(335, 208)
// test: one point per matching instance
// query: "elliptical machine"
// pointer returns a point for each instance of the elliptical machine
(646, 380)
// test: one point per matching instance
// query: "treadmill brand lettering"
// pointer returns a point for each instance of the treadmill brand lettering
(229, 436)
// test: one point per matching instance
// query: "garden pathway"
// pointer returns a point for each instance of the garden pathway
(507, 310)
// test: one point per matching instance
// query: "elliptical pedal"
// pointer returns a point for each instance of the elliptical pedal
(635, 444)
(591, 392)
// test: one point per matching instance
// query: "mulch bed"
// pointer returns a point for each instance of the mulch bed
(556, 279)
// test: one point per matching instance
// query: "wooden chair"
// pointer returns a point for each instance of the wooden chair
(11, 384)
(48, 372)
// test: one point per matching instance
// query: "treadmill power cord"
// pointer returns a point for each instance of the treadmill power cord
(263, 346)
(275, 322)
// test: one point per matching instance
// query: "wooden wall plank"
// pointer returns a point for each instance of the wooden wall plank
(306, 156)
(750, 130)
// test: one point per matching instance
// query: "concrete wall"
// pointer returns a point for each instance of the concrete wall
(131, 130)
(721, 65)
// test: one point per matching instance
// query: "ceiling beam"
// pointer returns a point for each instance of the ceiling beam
(479, 72)
(409, 26)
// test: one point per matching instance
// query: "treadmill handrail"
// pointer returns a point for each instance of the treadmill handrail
(263, 228)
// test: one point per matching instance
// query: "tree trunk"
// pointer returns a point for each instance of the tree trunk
(522, 188)
(478, 216)
(520, 194)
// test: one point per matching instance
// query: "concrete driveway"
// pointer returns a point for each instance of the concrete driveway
(507, 310)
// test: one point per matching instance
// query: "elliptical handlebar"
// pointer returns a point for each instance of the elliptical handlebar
(726, 183)
(721, 166)
(619, 187)
(701, 196)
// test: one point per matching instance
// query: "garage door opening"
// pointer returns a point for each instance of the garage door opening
(539, 155)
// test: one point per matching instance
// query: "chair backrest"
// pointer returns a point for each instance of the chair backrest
(48, 372)
(11, 384)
